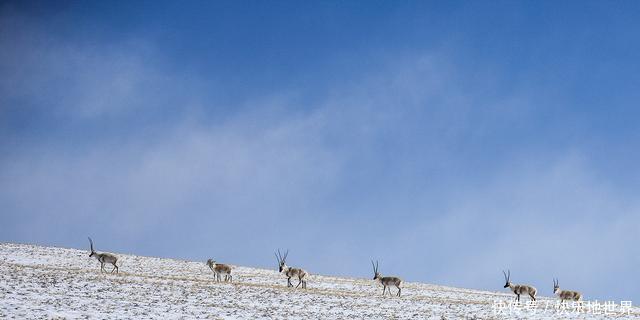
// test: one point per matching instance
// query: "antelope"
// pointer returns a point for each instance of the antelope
(104, 257)
(386, 282)
(291, 272)
(519, 289)
(220, 269)
(565, 294)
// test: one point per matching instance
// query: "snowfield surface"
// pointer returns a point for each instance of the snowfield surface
(56, 283)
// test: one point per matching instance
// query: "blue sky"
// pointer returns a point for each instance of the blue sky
(447, 140)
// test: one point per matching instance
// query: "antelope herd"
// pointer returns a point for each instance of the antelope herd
(220, 270)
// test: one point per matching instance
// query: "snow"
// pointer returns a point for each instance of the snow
(56, 283)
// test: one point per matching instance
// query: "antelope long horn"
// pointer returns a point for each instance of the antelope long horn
(91, 243)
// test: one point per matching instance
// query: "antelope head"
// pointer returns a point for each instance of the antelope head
(556, 286)
(507, 279)
(282, 260)
(376, 275)
(93, 252)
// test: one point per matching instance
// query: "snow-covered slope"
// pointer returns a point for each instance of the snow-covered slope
(57, 283)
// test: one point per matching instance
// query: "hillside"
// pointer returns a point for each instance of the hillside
(58, 283)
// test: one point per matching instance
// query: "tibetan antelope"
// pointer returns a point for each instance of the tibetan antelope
(519, 289)
(290, 272)
(565, 294)
(104, 258)
(220, 269)
(386, 282)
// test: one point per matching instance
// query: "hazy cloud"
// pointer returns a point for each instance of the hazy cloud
(412, 163)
